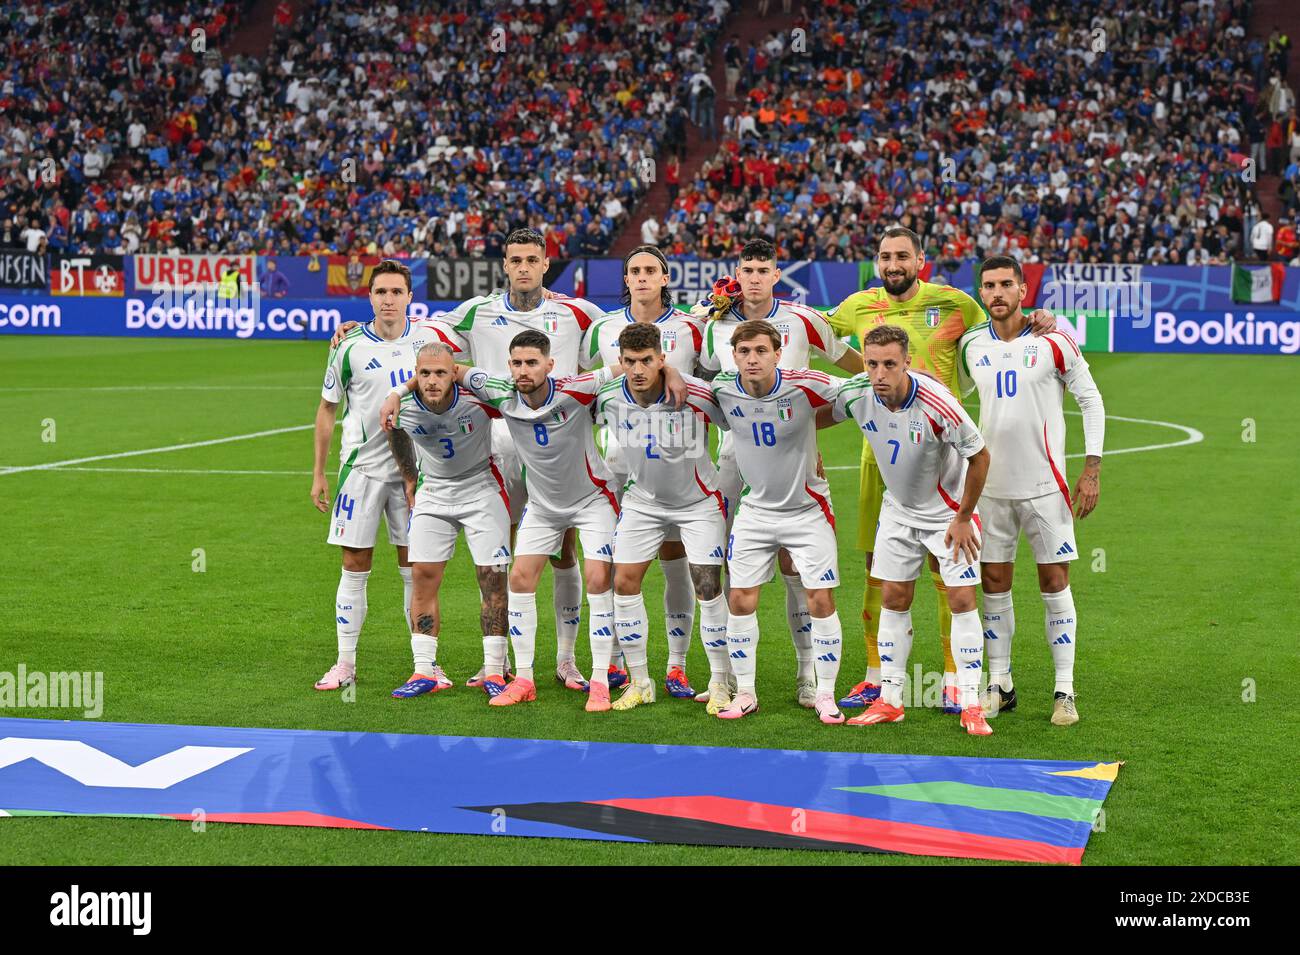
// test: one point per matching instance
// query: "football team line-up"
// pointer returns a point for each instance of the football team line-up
(529, 421)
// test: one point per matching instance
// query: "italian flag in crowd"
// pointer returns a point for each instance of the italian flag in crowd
(1258, 285)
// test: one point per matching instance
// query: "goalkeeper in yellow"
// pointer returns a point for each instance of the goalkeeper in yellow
(935, 317)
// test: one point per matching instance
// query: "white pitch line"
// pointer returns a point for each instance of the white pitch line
(171, 447)
(176, 471)
(1193, 437)
(307, 387)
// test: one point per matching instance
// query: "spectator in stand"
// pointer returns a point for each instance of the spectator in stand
(1261, 238)
(1287, 246)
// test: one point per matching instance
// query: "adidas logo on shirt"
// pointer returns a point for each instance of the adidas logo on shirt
(374, 364)
(737, 412)
(871, 426)
(419, 430)
(983, 362)
(500, 320)
(717, 552)
(1065, 549)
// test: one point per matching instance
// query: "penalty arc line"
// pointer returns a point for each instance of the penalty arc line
(52, 465)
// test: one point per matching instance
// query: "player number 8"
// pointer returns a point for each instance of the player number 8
(540, 435)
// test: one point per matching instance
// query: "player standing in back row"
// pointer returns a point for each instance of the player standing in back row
(804, 332)
(362, 367)
(646, 300)
(930, 452)
(934, 317)
(1022, 382)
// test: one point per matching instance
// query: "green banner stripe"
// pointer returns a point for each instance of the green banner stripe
(989, 797)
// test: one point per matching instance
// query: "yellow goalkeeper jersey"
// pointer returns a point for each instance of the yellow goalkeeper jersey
(934, 318)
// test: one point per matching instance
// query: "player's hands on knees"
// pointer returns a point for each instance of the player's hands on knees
(964, 540)
(674, 386)
(341, 333)
(388, 411)
(320, 491)
(1086, 492)
(1041, 321)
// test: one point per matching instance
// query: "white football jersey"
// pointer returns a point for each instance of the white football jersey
(680, 335)
(453, 449)
(775, 437)
(665, 450)
(489, 323)
(363, 369)
(1022, 386)
(921, 449)
(804, 333)
(555, 442)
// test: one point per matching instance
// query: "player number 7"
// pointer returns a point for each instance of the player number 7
(894, 456)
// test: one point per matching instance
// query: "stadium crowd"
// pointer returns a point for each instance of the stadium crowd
(1099, 131)
(1095, 132)
(397, 129)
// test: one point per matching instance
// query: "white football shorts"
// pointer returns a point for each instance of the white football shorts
(541, 531)
(900, 551)
(1047, 522)
(480, 511)
(758, 534)
(643, 527)
(359, 503)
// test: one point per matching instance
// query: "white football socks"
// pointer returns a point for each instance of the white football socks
(713, 634)
(567, 597)
(521, 614)
(424, 649)
(679, 610)
(999, 618)
(895, 643)
(407, 587)
(796, 612)
(1061, 637)
(494, 654)
(630, 628)
(968, 653)
(600, 608)
(828, 645)
(350, 613)
(742, 641)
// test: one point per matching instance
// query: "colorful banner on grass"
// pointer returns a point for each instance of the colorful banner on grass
(960, 807)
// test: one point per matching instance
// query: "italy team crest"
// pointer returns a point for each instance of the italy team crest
(932, 317)
(915, 431)
(560, 415)
(1030, 356)
(550, 324)
(668, 340)
(785, 409)
(784, 329)
(466, 424)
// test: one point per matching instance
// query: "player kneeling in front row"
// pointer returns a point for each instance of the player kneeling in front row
(924, 443)
(442, 443)
(672, 483)
(784, 504)
(1022, 382)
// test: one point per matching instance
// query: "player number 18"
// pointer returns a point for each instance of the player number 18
(764, 433)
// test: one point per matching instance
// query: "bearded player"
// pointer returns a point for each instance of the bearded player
(934, 317)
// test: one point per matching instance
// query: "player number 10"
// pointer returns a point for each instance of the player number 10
(764, 433)
(1006, 383)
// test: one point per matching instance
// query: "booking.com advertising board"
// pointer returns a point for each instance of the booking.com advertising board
(1106, 308)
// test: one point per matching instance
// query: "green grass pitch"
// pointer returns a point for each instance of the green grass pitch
(1185, 589)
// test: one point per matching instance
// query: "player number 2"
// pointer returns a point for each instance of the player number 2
(649, 447)
(1006, 382)
(893, 457)
(764, 434)
(540, 435)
